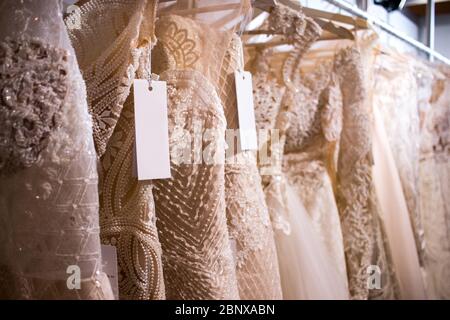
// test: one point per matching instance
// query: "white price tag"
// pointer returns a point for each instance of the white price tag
(246, 110)
(109, 259)
(152, 130)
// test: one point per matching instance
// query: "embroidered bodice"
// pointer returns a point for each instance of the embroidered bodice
(363, 231)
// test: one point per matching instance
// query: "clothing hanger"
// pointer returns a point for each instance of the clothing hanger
(322, 18)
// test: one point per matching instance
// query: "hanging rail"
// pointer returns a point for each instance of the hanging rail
(388, 28)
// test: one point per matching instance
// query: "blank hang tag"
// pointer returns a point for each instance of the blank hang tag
(152, 130)
(246, 110)
(109, 259)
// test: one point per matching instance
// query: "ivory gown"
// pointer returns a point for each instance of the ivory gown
(191, 206)
(113, 45)
(365, 240)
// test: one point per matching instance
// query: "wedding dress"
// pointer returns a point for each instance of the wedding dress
(113, 44)
(191, 206)
(395, 96)
(433, 104)
(365, 240)
(310, 153)
(394, 211)
(248, 216)
(49, 230)
(306, 268)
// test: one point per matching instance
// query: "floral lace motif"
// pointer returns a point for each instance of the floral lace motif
(33, 78)
(398, 91)
(177, 46)
(290, 23)
(183, 44)
(267, 93)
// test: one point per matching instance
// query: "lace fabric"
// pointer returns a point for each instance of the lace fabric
(396, 84)
(48, 191)
(396, 172)
(248, 217)
(276, 95)
(114, 50)
(394, 212)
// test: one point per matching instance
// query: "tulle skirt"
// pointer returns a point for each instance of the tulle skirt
(306, 269)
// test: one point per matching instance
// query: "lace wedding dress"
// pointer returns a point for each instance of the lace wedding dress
(190, 207)
(306, 268)
(49, 230)
(387, 98)
(248, 217)
(113, 44)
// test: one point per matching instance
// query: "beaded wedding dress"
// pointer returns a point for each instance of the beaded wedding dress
(393, 104)
(113, 45)
(191, 206)
(49, 229)
(310, 153)
(307, 269)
